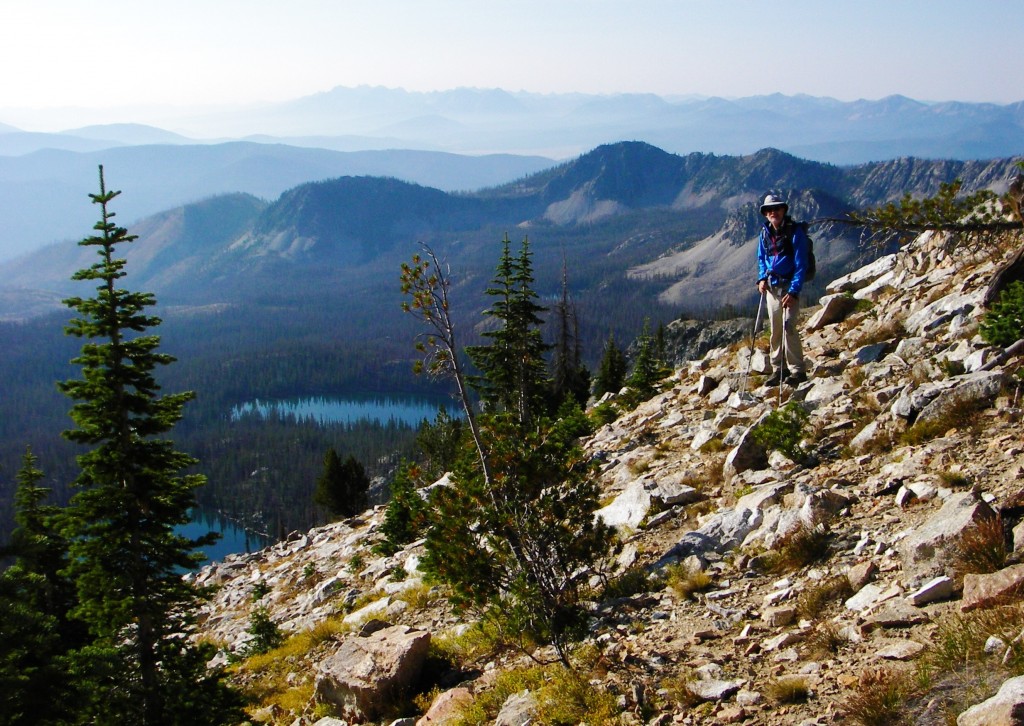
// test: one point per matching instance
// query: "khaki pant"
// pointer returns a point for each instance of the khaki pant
(776, 314)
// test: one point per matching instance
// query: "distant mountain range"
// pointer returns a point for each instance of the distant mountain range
(44, 195)
(628, 217)
(462, 139)
(476, 121)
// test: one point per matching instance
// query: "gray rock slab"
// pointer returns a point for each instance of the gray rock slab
(940, 588)
(1006, 708)
(629, 508)
(714, 690)
(958, 512)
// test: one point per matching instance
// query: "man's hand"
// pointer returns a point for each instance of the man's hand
(789, 300)
(762, 286)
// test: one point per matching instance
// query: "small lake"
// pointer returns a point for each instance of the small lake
(233, 539)
(371, 408)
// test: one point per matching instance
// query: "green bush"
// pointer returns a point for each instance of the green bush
(1003, 324)
(604, 413)
(264, 631)
(782, 430)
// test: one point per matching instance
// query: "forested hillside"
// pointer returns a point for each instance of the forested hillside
(300, 296)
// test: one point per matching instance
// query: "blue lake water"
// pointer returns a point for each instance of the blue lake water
(353, 409)
(233, 538)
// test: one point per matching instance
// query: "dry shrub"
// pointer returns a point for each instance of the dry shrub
(788, 689)
(687, 581)
(826, 639)
(959, 639)
(958, 414)
(798, 548)
(879, 698)
(980, 548)
(816, 598)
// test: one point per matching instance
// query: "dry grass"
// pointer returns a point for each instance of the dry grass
(563, 697)
(267, 677)
(686, 581)
(960, 414)
(980, 549)
(797, 549)
(879, 698)
(816, 598)
(826, 640)
(788, 689)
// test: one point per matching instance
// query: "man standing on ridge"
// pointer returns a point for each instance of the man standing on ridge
(782, 260)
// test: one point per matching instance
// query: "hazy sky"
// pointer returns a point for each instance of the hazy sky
(125, 53)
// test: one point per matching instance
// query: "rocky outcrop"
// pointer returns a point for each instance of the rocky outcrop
(1006, 708)
(367, 673)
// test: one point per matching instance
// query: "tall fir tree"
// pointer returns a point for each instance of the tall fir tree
(36, 684)
(126, 557)
(646, 371)
(514, 533)
(611, 371)
(513, 370)
(341, 487)
(570, 379)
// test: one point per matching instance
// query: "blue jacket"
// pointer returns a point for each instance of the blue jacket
(782, 257)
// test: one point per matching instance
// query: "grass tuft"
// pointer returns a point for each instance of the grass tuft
(879, 698)
(788, 689)
(980, 548)
(798, 548)
(816, 598)
(686, 581)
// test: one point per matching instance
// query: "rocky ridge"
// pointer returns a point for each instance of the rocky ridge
(892, 349)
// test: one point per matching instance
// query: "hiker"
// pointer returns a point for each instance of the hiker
(782, 262)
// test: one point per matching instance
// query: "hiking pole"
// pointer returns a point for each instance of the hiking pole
(782, 364)
(753, 338)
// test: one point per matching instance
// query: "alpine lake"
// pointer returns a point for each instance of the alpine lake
(372, 408)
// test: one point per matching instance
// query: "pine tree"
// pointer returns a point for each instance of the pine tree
(341, 487)
(611, 372)
(570, 379)
(406, 513)
(646, 371)
(661, 348)
(125, 556)
(513, 371)
(520, 552)
(35, 635)
(427, 282)
(514, 533)
(441, 443)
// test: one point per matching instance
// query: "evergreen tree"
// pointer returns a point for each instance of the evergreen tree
(611, 372)
(35, 635)
(406, 513)
(661, 348)
(646, 371)
(570, 379)
(427, 282)
(520, 551)
(39, 546)
(513, 371)
(514, 533)
(441, 443)
(341, 488)
(125, 555)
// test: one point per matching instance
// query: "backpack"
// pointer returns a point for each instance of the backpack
(812, 263)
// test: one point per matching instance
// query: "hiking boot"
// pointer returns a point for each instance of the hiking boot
(795, 379)
(777, 377)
